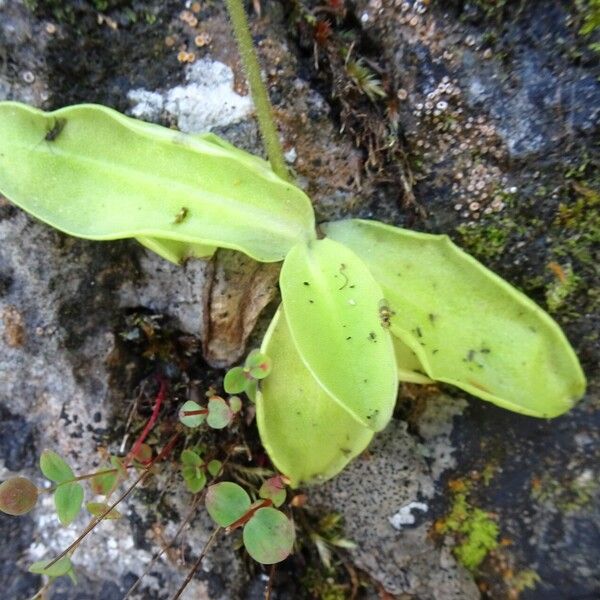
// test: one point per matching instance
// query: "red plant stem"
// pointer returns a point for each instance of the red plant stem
(162, 393)
(245, 518)
(191, 413)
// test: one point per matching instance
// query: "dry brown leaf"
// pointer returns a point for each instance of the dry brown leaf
(238, 291)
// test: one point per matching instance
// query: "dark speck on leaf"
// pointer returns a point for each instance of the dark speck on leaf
(471, 355)
(485, 351)
(432, 318)
(306, 283)
(311, 301)
(373, 336)
(435, 351)
(349, 337)
(418, 331)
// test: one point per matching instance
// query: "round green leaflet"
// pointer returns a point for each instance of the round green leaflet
(226, 502)
(68, 499)
(60, 567)
(191, 420)
(17, 496)
(219, 413)
(466, 325)
(54, 467)
(331, 306)
(106, 176)
(269, 536)
(307, 434)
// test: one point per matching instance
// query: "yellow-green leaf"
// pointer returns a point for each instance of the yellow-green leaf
(308, 435)
(174, 251)
(332, 308)
(409, 367)
(467, 326)
(95, 173)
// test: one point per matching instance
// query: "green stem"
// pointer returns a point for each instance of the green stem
(258, 89)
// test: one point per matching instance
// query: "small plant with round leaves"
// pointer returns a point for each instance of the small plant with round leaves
(193, 469)
(268, 534)
(218, 413)
(245, 379)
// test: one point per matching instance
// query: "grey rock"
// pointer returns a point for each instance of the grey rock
(395, 479)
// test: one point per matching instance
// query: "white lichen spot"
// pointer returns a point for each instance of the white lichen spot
(207, 100)
(148, 105)
(405, 515)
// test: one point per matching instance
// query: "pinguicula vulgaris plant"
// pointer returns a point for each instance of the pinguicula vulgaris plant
(364, 304)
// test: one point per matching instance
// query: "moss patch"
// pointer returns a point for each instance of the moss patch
(473, 529)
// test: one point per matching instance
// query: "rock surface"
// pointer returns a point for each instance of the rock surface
(487, 134)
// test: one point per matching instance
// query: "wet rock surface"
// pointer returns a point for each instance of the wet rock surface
(486, 133)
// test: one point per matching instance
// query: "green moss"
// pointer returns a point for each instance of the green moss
(486, 240)
(569, 496)
(559, 290)
(480, 536)
(65, 12)
(525, 580)
(475, 532)
(573, 254)
(322, 584)
(590, 10)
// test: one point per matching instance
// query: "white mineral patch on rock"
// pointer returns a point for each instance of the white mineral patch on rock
(207, 100)
(405, 515)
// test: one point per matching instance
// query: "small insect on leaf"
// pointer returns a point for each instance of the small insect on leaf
(60, 567)
(181, 215)
(191, 420)
(385, 313)
(219, 413)
(17, 496)
(269, 536)
(55, 130)
(99, 508)
(226, 502)
(258, 364)
(54, 467)
(68, 499)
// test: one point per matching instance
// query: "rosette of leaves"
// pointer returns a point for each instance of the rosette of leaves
(363, 308)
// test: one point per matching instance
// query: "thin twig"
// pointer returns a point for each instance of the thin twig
(196, 566)
(98, 519)
(269, 587)
(158, 555)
